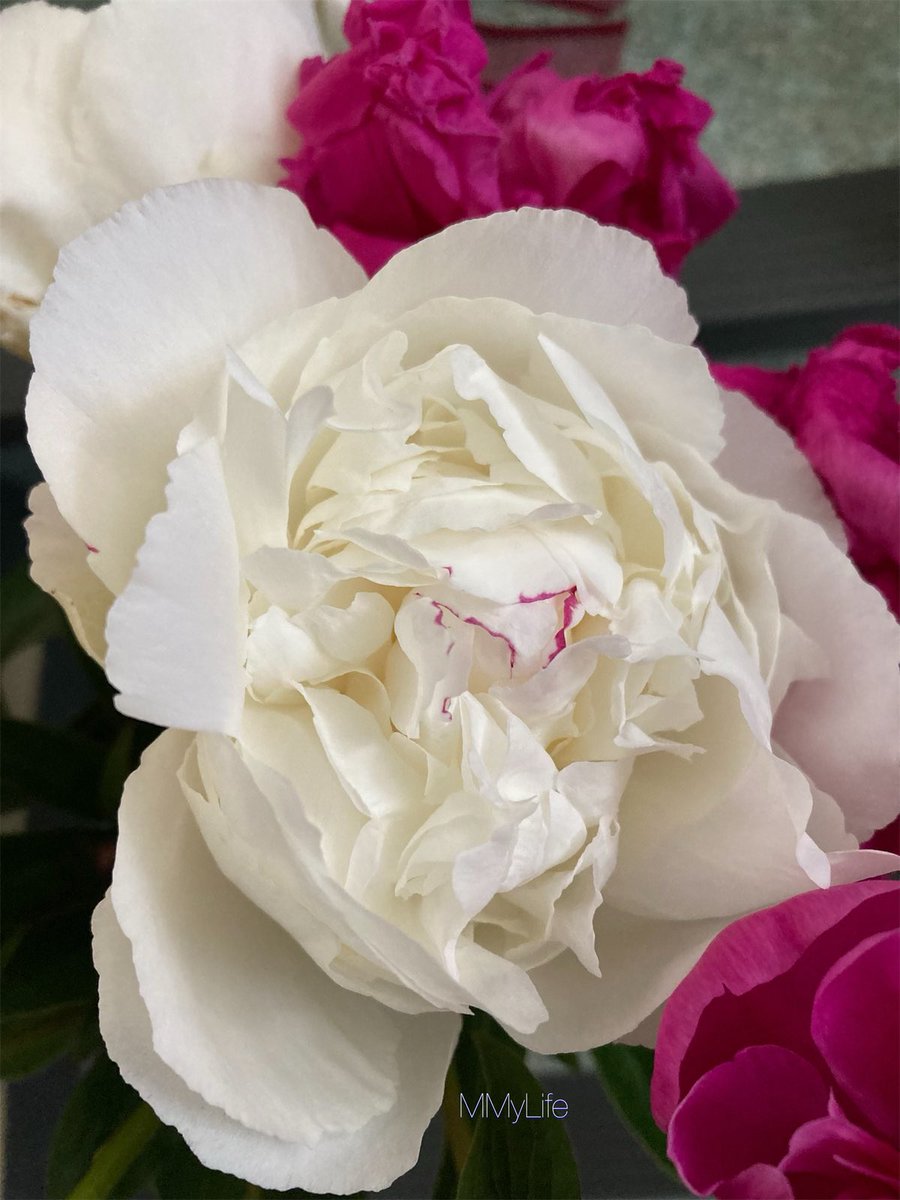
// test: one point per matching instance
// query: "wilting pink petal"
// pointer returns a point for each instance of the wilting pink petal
(397, 142)
(623, 150)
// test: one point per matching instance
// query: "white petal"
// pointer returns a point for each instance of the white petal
(550, 261)
(601, 414)
(723, 653)
(192, 270)
(841, 730)
(761, 458)
(641, 961)
(687, 859)
(101, 107)
(59, 564)
(364, 1159)
(547, 453)
(254, 457)
(651, 381)
(236, 1008)
(176, 634)
(378, 779)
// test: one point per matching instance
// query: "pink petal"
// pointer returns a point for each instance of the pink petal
(855, 1025)
(743, 1112)
(831, 1157)
(755, 950)
(759, 1182)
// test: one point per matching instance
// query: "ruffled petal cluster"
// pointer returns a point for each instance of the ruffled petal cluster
(623, 150)
(505, 660)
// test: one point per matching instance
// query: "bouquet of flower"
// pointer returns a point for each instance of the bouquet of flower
(474, 668)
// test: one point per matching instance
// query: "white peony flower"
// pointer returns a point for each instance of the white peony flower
(508, 659)
(99, 107)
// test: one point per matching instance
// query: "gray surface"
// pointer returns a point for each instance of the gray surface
(801, 88)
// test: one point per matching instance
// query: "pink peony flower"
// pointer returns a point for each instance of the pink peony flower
(397, 142)
(841, 408)
(776, 1062)
(621, 150)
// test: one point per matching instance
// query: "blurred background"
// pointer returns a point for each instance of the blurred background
(807, 103)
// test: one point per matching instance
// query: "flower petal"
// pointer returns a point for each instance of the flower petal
(176, 633)
(775, 468)
(193, 269)
(59, 564)
(854, 1024)
(94, 111)
(252, 1034)
(641, 961)
(364, 1159)
(841, 730)
(748, 955)
(712, 1135)
(574, 267)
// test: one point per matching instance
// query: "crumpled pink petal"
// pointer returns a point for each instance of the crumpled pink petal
(841, 409)
(399, 139)
(396, 139)
(624, 151)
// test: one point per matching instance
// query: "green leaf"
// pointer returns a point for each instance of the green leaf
(446, 1182)
(512, 1159)
(625, 1072)
(31, 1041)
(27, 614)
(98, 1104)
(50, 964)
(52, 766)
(118, 765)
(114, 1160)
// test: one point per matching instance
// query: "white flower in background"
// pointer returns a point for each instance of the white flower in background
(512, 660)
(98, 107)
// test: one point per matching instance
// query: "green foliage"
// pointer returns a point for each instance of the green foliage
(99, 1104)
(48, 873)
(625, 1072)
(51, 766)
(507, 1159)
(27, 614)
(109, 1143)
(49, 885)
(29, 1041)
